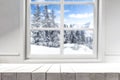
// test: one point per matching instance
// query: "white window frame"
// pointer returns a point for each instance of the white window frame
(98, 56)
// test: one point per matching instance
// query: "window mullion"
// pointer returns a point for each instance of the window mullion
(28, 28)
(45, 28)
(62, 28)
(61, 2)
(79, 29)
(45, 2)
(78, 2)
(96, 26)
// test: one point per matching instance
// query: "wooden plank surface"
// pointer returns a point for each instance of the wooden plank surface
(111, 76)
(96, 68)
(54, 72)
(67, 68)
(26, 68)
(7, 68)
(82, 76)
(0, 76)
(41, 73)
(38, 76)
(55, 68)
(24, 76)
(8, 76)
(90, 76)
(68, 76)
(43, 69)
(67, 73)
(99, 76)
(78, 68)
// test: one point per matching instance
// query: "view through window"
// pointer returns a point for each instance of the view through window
(62, 27)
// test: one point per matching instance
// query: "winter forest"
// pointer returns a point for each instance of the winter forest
(49, 41)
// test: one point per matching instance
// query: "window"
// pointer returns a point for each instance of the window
(62, 29)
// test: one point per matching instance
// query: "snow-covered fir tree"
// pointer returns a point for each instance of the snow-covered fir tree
(44, 19)
(49, 18)
(77, 38)
(36, 20)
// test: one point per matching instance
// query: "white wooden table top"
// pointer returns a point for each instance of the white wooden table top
(61, 68)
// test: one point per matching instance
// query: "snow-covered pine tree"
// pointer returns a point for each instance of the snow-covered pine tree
(78, 40)
(49, 22)
(46, 21)
(52, 38)
(82, 38)
(55, 38)
(89, 42)
(35, 37)
(36, 20)
(67, 37)
(52, 17)
(49, 18)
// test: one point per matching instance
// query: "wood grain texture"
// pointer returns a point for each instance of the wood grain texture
(38, 76)
(67, 68)
(7, 68)
(27, 68)
(111, 76)
(43, 69)
(54, 69)
(0, 76)
(68, 76)
(8, 76)
(54, 72)
(40, 73)
(96, 76)
(99, 76)
(92, 76)
(24, 76)
(53, 76)
(82, 76)
(59, 76)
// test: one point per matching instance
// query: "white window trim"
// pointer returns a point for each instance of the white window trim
(100, 41)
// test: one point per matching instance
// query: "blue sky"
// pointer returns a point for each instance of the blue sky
(78, 14)
(73, 14)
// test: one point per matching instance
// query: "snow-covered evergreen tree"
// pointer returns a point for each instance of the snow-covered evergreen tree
(74, 37)
(82, 35)
(44, 19)
(49, 18)
(36, 20)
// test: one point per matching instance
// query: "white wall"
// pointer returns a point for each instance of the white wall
(10, 41)
(9, 26)
(112, 29)
(9, 30)
(112, 26)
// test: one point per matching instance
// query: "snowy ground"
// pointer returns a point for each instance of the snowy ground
(77, 49)
(68, 49)
(40, 50)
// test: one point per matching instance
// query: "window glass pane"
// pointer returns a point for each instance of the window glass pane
(80, 0)
(45, 16)
(78, 42)
(44, 0)
(45, 42)
(78, 16)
